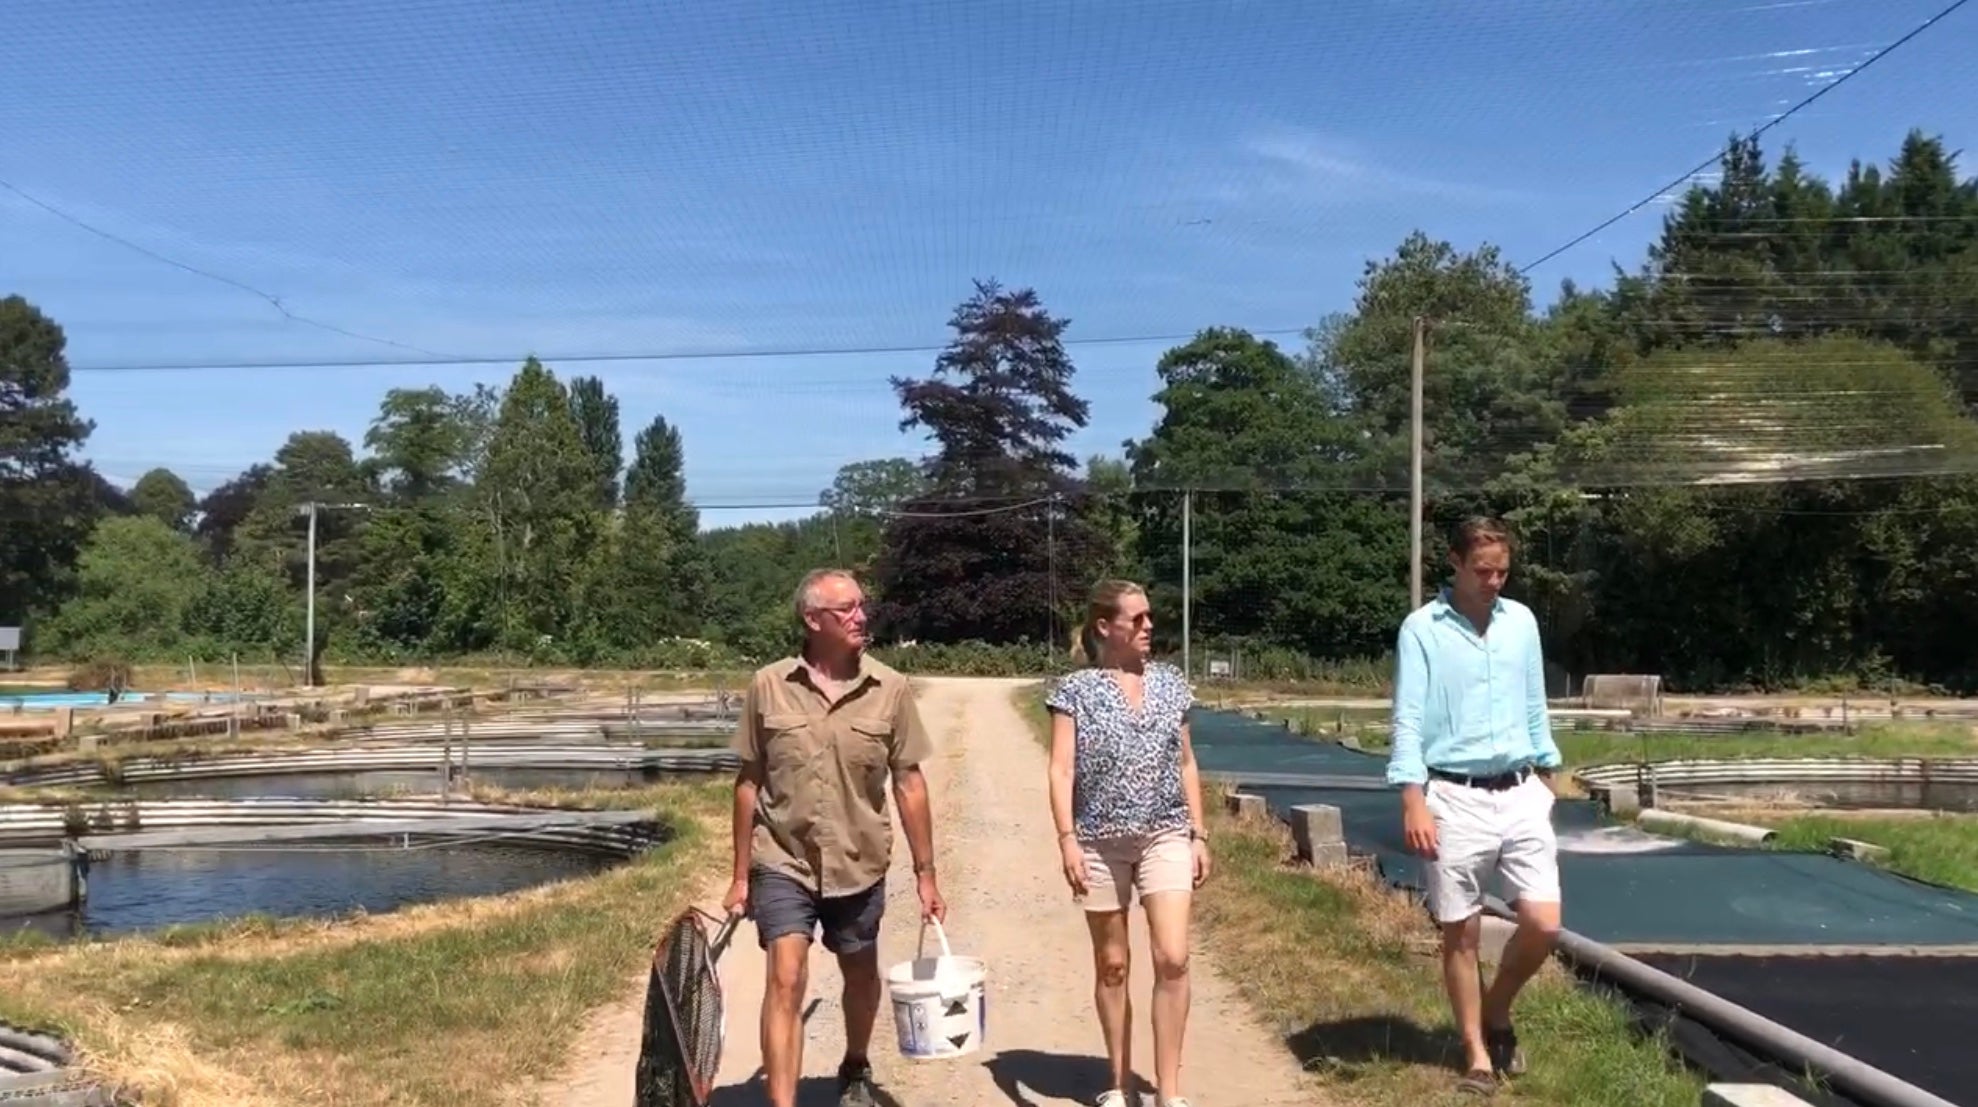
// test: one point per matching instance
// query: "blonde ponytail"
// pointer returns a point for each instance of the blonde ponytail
(1102, 606)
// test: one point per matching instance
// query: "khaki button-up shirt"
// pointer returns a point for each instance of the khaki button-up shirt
(821, 812)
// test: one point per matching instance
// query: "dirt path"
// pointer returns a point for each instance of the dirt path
(1007, 904)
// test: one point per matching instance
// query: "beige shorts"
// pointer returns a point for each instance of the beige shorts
(1118, 868)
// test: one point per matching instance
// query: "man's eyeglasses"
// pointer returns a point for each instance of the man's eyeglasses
(844, 610)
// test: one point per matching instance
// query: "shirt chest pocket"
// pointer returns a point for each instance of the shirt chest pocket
(867, 744)
(789, 740)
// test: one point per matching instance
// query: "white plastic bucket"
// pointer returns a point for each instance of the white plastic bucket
(938, 1002)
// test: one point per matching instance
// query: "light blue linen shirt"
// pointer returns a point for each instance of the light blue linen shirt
(1469, 703)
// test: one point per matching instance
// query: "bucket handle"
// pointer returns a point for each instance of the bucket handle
(940, 935)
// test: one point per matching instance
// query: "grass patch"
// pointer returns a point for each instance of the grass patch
(1581, 748)
(1348, 970)
(1938, 847)
(457, 1002)
(1942, 849)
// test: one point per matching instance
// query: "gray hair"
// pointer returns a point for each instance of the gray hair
(805, 599)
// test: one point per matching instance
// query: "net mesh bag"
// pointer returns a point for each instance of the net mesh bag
(681, 1048)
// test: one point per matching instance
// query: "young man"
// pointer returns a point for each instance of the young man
(1473, 756)
(820, 734)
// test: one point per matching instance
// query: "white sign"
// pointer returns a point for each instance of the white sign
(10, 638)
(1218, 668)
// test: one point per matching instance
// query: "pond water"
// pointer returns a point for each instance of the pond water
(1915, 795)
(132, 892)
(380, 782)
(33, 701)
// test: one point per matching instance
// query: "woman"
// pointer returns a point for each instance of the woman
(1127, 801)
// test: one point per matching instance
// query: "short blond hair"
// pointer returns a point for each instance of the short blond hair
(805, 597)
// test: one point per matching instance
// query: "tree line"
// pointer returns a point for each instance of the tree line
(1747, 463)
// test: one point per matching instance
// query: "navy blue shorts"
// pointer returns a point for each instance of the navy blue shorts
(782, 906)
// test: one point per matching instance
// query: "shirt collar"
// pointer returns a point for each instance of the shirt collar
(1444, 608)
(795, 669)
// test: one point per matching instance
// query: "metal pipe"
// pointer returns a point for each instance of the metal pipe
(1851, 1075)
(1677, 822)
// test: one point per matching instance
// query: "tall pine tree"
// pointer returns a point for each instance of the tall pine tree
(1000, 549)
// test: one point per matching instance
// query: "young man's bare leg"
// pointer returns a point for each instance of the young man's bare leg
(1529, 861)
(782, 1017)
(1527, 950)
(1460, 941)
(1112, 956)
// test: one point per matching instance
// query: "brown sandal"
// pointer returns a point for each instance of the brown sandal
(1481, 1082)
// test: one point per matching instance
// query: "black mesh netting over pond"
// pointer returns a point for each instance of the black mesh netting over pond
(1905, 1014)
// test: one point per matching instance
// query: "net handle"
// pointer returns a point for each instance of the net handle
(724, 929)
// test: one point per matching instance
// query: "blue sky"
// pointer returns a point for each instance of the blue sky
(472, 180)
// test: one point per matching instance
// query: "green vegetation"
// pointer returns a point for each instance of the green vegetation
(1942, 849)
(1588, 747)
(1783, 338)
(1347, 968)
(422, 1006)
(1937, 847)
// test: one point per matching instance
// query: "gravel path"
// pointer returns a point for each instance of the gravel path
(1007, 903)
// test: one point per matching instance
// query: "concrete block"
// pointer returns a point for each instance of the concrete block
(65, 721)
(1352, 742)
(1858, 850)
(1750, 1095)
(1623, 800)
(89, 743)
(1329, 855)
(1313, 827)
(1247, 806)
(1637, 692)
(37, 880)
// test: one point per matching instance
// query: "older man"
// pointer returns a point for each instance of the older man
(820, 734)
(1473, 756)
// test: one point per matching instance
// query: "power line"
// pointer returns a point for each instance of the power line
(273, 300)
(648, 355)
(1719, 156)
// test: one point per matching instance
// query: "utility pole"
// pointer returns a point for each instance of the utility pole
(309, 624)
(311, 509)
(1187, 510)
(1415, 467)
(1051, 575)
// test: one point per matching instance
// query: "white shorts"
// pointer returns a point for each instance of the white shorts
(1478, 832)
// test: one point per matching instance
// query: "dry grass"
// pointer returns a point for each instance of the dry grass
(464, 1001)
(1347, 969)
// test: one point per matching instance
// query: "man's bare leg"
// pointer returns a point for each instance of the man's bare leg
(1111, 958)
(1527, 951)
(1460, 941)
(782, 1017)
(861, 999)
